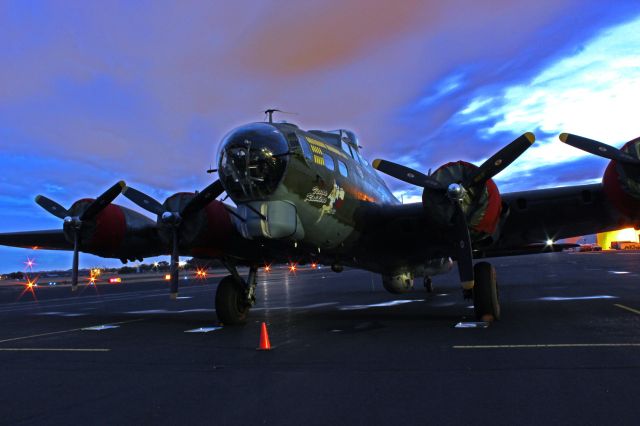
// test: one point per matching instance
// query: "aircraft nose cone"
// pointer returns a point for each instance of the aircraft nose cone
(252, 161)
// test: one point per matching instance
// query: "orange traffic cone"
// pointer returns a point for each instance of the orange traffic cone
(265, 345)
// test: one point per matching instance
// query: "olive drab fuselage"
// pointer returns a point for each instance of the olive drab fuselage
(322, 174)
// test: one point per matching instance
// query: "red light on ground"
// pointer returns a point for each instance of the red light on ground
(267, 268)
(314, 265)
(115, 280)
(167, 277)
(30, 287)
(293, 267)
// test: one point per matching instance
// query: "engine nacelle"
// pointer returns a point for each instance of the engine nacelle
(203, 234)
(438, 266)
(482, 204)
(398, 284)
(621, 183)
(116, 231)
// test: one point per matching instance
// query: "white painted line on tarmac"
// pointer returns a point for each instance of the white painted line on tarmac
(635, 311)
(203, 330)
(61, 332)
(619, 272)
(100, 327)
(550, 346)
(472, 324)
(54, 350)
(378, 305)
(318, 305)
(557, 298)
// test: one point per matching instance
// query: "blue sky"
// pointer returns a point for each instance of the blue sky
(95, 92)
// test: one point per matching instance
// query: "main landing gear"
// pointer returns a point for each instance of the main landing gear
(486, 301)
(235, 296)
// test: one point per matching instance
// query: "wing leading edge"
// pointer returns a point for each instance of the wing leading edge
(52, 239)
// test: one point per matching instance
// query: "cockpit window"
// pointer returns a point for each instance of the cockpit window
(306, 149)
(362, 160)
(343, 169)
(328, 161)
(346, 148)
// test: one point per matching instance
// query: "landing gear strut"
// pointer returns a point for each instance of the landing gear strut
(486, 301)
(428, 284)
(235, 296)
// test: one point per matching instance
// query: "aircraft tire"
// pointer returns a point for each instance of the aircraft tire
(486, 301)
(231, 307)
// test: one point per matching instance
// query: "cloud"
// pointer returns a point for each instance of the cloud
(144, 91)
(593, 92)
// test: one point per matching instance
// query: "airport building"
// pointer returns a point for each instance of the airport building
(618, 240)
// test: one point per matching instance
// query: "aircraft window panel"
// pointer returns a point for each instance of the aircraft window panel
(328, 161)
(343, 169)
(346, 148)
(362, 159)
(306, 149)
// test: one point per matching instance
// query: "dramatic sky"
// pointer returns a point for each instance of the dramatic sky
(92, 92)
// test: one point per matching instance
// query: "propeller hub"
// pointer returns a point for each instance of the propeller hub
(170, 217)
(455, 192)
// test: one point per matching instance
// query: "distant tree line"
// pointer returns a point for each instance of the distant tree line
(162, 266)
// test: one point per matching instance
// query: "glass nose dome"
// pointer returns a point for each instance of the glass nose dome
(252, 161)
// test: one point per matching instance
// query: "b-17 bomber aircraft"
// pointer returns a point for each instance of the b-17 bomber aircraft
(310, 196)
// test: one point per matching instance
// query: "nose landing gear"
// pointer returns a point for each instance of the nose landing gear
(235, 296)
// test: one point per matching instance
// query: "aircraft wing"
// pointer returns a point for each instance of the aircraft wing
(52, 239)
(401, 234)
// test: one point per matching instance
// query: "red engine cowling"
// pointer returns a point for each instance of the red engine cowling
(203, 234)
(621, 183)
(215, 233)
(482, 204)
(105, 233)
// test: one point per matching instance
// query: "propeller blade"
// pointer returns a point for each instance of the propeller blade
(203, 198)
(501, 159)
(174, 265)
(407, 174)
(143, 200)
(598, 148)
(74, 268)
(465, 251)
(102, 201)
(52, 207)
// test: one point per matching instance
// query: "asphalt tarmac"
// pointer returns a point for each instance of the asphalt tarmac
(567, 350)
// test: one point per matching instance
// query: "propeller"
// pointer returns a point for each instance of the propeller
(73, 224)
(598, 148)
(174, 219)
(456, 191)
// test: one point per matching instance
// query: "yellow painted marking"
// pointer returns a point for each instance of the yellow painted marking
(635, 311)
(552, 345)
(62, 332)
(317, 143)
(54, 350)
(316, 149)
(318, 160)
